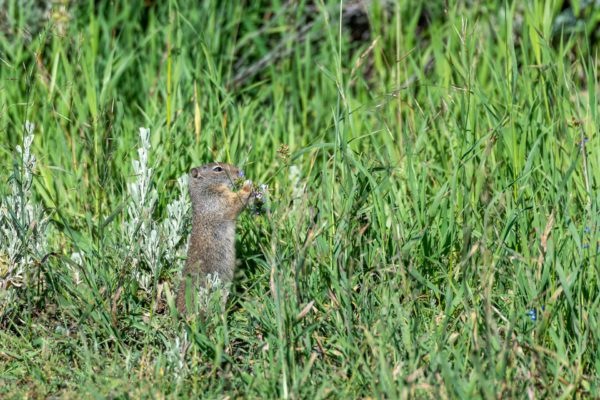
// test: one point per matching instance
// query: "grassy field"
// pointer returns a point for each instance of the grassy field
(432, 226)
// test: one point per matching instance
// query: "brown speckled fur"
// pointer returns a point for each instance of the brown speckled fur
(215, 207)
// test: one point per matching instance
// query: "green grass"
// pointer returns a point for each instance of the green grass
(427, 190)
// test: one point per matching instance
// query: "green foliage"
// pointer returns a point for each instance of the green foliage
(432, 226)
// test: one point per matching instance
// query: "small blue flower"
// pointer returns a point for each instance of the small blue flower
(587, 229)
(532, 314)
(241, 173)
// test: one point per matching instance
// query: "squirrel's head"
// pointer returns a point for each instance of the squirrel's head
(213, 176)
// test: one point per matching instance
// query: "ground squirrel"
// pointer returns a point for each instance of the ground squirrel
(215, 207)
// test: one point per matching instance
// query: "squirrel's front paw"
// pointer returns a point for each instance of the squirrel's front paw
(245, 193)
(246, 188)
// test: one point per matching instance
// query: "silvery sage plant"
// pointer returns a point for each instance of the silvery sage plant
(153, 244)
(23, 226)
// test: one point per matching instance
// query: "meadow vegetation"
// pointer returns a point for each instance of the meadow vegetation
(432, 225)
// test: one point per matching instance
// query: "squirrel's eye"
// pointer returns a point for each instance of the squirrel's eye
(217, 169)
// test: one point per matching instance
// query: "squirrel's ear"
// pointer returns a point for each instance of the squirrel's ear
(194, 172)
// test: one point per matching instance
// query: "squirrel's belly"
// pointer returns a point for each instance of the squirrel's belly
(213, 253)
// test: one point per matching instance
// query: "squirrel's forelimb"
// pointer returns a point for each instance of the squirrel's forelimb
(237, 200)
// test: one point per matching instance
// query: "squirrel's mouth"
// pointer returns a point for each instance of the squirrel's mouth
(236, 183)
